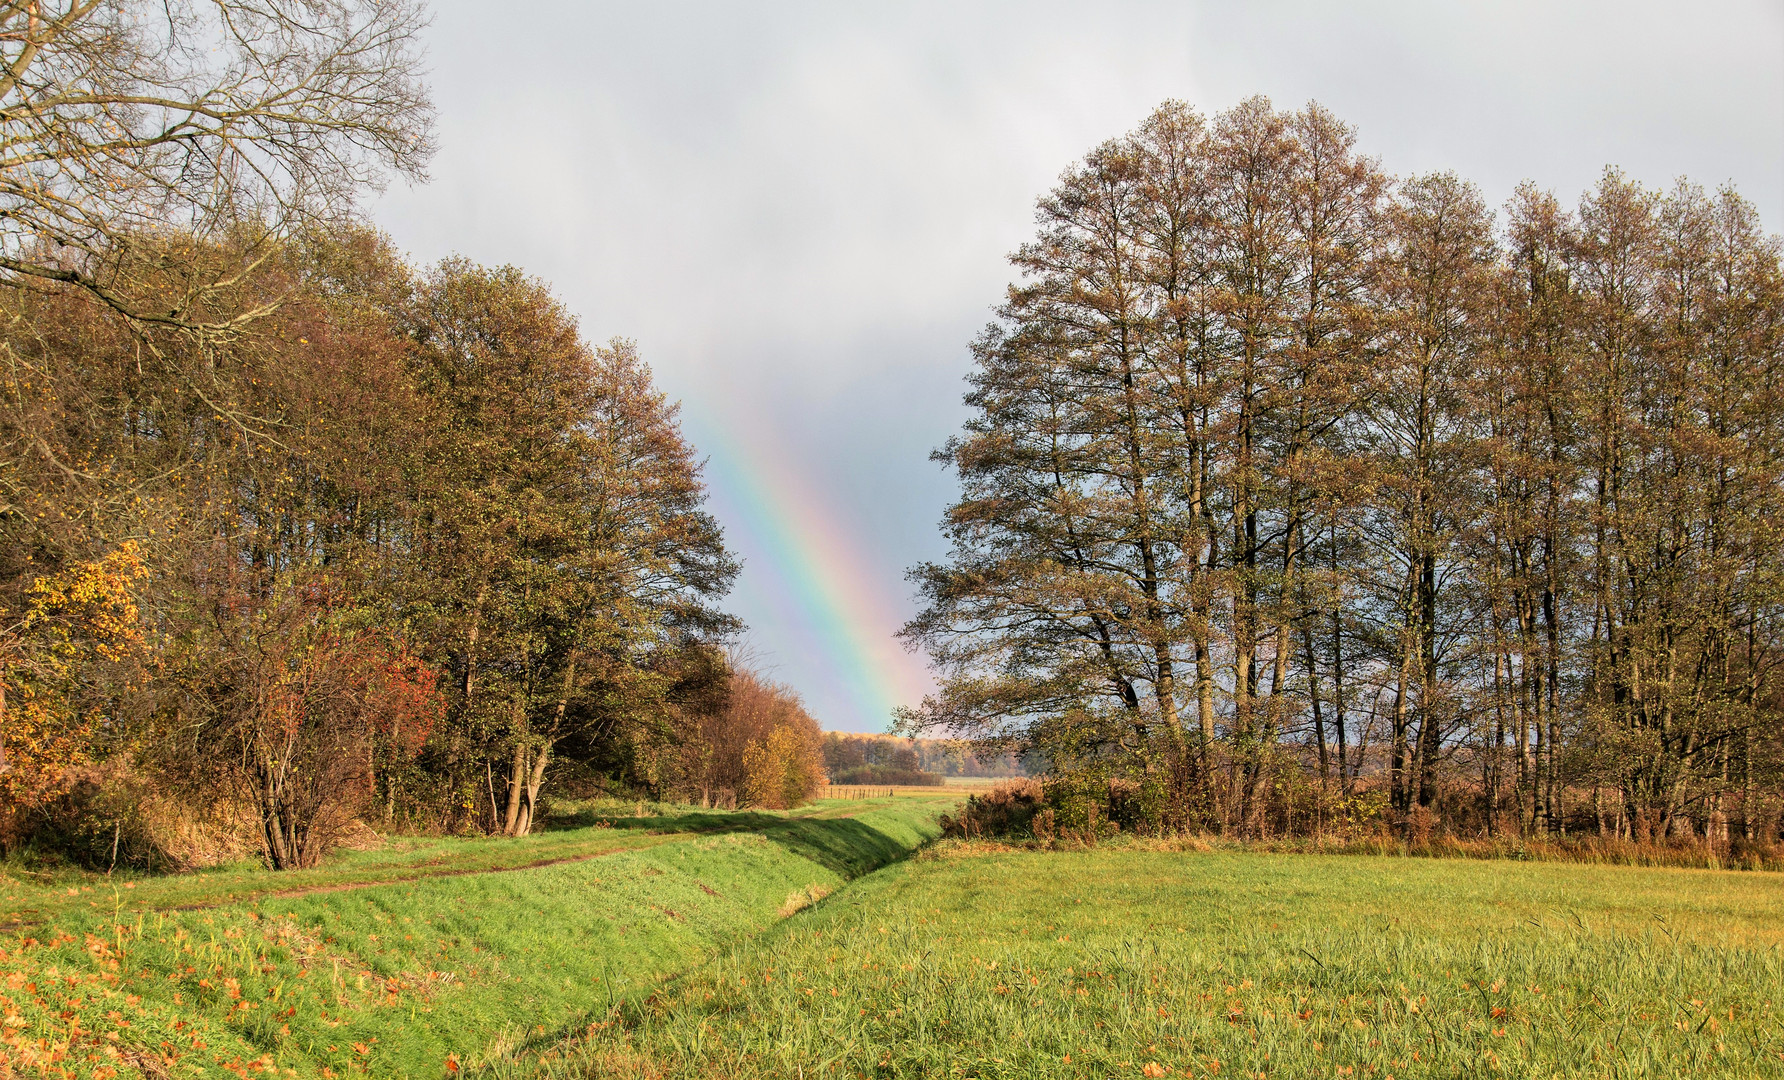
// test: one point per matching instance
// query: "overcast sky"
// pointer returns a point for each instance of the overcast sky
(800, 211)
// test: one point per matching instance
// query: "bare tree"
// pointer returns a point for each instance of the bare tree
(131, 128)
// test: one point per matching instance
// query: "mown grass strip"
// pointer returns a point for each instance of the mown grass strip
(29, 896)
(421, 977)
(1146, 963)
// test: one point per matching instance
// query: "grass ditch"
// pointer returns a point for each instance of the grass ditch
(975, 961)
(403, 963)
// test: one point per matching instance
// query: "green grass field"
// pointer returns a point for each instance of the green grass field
(421, 959)
(974, 963)
(748, 945)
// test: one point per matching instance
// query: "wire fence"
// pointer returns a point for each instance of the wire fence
(885, 791)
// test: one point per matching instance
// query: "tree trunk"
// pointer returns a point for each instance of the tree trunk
(517, 776)
(1319, 723)
(1430, 718)
(530, 800)
(1399, 778)
(1338, 720)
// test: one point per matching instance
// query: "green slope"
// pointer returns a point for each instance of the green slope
(410, 977)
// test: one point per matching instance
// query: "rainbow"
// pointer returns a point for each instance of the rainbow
(847, 613)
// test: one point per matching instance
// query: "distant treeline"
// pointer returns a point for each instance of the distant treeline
(1298, 494)
(890, 759)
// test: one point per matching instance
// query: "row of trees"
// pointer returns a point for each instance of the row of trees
(1288, 481)
(888, 759)
(871, 759)
(291, 532)
(408, 536)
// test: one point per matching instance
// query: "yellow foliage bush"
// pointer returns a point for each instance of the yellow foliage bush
(782, 770)
(73, 622)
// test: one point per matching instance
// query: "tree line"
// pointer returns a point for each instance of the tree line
(851, 758)
(1296, 493)
(293, 534)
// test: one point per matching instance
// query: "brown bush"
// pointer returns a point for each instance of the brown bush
(115, 815)
(1006, 810)
(300, 710)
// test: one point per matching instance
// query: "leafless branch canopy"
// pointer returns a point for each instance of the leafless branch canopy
(125, 121)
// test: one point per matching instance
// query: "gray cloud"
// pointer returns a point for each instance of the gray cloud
(801, 210)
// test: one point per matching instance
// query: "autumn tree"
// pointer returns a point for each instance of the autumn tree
(1679, 308)
(1420, 427)
(768, 745)
(1147, 452)
(1340, 468)
(762, 746)
(120, 446)
(563, 514)
(440, 454)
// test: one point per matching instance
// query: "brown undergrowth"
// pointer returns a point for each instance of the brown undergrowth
(1017, 815)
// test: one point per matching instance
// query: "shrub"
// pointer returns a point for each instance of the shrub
(783, 770)
(1079, 799)
(75, 626)
(303, 709)
(1081, 805)
(1006, 810)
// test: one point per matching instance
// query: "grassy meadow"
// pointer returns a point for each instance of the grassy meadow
(422, 959)
(682, 943)
(971, 961)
